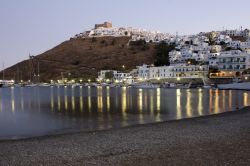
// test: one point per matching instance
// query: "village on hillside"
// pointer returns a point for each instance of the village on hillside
(217, 54)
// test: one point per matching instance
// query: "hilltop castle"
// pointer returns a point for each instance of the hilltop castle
(104, 25)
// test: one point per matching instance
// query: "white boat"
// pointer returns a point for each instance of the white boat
(145, 85)
(237, 86)
(32, 85)
(175, 86)
(206, 86)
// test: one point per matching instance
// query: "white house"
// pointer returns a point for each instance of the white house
(143, 71)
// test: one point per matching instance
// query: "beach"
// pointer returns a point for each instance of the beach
(222, 139)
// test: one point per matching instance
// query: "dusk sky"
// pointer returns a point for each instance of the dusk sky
(30, 26)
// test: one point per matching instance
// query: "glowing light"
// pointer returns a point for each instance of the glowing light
(99, 99)
(13, 100)
(178, 103)
(245, 99)
(230, 100)
(188, 105)
(52, 99)
(158, 99)
(140, 100)
(124, 103)
(124, 100)
(151, 103)
(89, 99)
(200, 103)
(216, 102)
(108, 100)
(73, 100)
(178, 78)
(210, 100)
(81, 100)
(65, 99)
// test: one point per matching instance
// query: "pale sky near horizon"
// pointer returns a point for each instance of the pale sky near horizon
(29, 26)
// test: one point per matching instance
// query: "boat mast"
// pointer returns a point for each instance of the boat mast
(3, 71)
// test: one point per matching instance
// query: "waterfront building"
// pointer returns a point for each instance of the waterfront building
(103, 73)
(232, 63)
(174, 71)
(143, 72)
(113, 76)
(120, 76)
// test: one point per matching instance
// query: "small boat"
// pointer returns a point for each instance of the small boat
(237, 86)
(175, 86)
(32, 85)
(145, 85)
(206, 86)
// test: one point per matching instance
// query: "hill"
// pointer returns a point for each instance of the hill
(83, 58)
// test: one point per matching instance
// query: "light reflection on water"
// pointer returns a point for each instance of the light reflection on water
(37, 111)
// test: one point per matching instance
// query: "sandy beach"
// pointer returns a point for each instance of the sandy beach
(222, 139)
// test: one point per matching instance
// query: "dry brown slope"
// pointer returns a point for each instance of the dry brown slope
(83, 58)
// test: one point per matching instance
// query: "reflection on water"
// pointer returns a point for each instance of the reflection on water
(246, 99)
(81, 99)
(27, 111)
(178, 103)
(12, 99)
(200, 100)
(188, 105)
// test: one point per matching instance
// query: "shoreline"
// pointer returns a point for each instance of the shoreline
(79, 131)
(217, 139)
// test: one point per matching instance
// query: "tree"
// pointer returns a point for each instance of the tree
(162, 54)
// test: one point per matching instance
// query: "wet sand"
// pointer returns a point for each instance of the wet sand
(222, 139)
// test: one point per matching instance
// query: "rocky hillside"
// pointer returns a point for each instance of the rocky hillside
(83, 58)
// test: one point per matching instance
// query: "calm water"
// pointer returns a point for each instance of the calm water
(38, 111)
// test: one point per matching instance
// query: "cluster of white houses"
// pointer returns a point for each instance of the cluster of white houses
(227, 50)
(230, 64)
(106, 29)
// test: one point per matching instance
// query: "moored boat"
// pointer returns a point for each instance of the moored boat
(237, 86)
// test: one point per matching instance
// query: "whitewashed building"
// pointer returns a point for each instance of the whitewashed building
(234, 60)
(173, 71)
(143, 72)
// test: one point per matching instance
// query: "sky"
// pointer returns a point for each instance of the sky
(32, 26)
